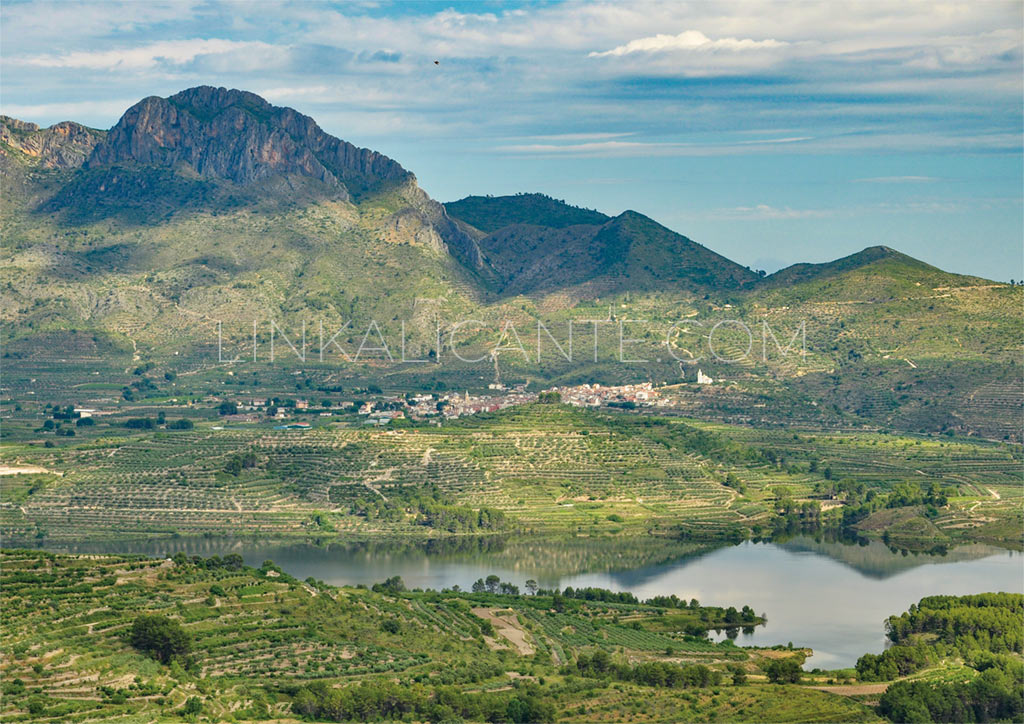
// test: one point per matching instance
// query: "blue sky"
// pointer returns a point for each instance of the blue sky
(772, 132)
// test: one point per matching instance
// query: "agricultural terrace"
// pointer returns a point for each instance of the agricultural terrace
(542, 467)
(101, 638)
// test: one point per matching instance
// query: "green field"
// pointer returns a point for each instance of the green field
(549, 469)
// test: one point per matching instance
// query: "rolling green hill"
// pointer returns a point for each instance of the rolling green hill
(874, 274)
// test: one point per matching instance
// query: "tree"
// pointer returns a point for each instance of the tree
(492, 582)
(783, 671)
(531, 586)
(228, 408)
(162, 638)
(394, 584)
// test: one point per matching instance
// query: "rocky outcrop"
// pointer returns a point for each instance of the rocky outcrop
(458, 242)
(63, 145)
(238, 136)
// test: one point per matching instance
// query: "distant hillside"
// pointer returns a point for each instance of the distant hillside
(877, 272)
(534, 243)
(490, 213)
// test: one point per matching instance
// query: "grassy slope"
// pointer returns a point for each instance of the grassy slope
(892, 342)
(258, 636)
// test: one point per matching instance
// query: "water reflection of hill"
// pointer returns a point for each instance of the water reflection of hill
(631, 562)
(553, 560)
(876, 560)
(547, 560)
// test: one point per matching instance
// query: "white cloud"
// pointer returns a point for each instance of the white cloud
(857, 74)
(687, 40)
(144, 57)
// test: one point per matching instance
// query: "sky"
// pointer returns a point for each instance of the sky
(772, 132)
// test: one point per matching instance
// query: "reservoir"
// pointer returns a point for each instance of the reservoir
(831, 597)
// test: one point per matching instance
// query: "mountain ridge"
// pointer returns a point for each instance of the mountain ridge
(211, 191)
(208, 147)
(63, 145)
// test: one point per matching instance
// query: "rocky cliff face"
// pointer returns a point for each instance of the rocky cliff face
(238, 136)
(64, 145)
(458, 242)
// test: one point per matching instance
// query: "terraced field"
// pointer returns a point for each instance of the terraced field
(257, 636)
(550, 468)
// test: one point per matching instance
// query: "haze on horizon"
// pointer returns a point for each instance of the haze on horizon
(771, 132)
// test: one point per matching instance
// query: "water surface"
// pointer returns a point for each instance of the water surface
(831, 597)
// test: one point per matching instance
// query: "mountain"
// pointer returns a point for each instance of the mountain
(535, 243)
(809, 272)
(34, 160)
(491, 213)
(213, 206)
(238, 136)
(214, 148)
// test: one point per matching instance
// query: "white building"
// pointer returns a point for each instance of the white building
(703, 379)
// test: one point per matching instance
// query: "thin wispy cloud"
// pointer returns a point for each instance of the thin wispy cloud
(765, 211)
(896, 180)
(173, 52)
(598, 147)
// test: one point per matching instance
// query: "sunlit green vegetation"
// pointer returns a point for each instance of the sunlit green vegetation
(541, 468)
(100, 638)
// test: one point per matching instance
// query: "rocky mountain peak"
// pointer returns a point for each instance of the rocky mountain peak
(238, 136)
